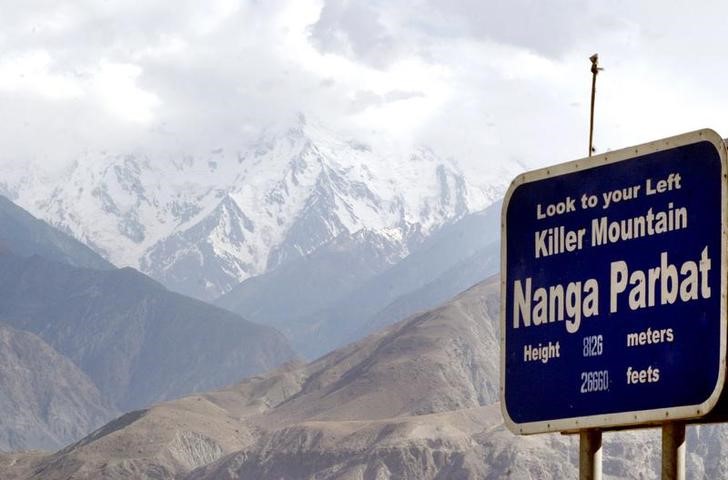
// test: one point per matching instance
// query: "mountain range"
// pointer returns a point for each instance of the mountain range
(346, 289)
(200, 224)
(326, 222)
(81, 340)
(137, 341)
(26, 235)
(337, 414)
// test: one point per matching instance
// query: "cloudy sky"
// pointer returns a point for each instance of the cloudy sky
(490, 83)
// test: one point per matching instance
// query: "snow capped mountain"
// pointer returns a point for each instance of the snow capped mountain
(201, 224)
(122, 204)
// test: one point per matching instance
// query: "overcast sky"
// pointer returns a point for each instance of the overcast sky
(490, 83)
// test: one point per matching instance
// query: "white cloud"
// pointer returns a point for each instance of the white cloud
(490, 83)
(32, 72)
(210, 14)
(115, 85)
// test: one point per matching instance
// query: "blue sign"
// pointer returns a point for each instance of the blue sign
(613, 295)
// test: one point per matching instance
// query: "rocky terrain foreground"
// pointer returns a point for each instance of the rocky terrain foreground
(414, 401)
(46, 400)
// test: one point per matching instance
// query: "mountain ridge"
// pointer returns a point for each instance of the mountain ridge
(349, 288)
(202, 223)
(46, 401)
(26, 235)
(137, 341)
(293, 403)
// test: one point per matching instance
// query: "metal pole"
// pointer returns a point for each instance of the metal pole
(673, 451)
(595, 70)
(590, 441)
(590, 454)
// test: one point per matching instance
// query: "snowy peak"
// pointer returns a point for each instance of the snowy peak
(203, 223)
(218, 248)
(119, 204)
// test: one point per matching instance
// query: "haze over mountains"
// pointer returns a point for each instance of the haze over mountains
(321, 224)
(200, 224)
(137, 341)
(346, 290)
(25, 235)
(79, 344)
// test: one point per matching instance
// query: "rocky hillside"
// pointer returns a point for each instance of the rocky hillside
(384, 385)
(45, 400)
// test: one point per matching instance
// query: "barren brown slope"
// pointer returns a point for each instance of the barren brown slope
(439, 445)
(413, 402)
(439, 361)
(166, 440)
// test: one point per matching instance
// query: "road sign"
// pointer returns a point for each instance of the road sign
(613, 288)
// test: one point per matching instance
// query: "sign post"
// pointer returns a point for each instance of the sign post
(613, 289)
(590, 454)
(673, 451)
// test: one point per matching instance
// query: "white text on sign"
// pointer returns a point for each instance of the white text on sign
(663, 284)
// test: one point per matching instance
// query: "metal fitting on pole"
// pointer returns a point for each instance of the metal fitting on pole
(595, 68)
